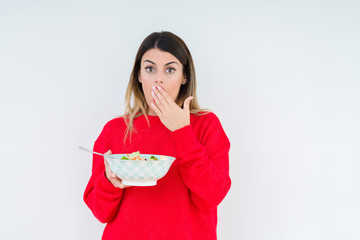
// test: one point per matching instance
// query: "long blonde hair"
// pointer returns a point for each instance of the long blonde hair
(134, 98)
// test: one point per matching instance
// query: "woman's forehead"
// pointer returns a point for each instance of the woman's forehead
(159, 57)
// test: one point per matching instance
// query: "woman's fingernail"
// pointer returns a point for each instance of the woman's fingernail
(152, 93)
(153, 87)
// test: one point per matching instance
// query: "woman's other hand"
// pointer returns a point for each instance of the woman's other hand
(170, 114)
(111, 176)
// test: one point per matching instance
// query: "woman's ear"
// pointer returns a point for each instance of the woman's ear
(139, 78)
(183, 82)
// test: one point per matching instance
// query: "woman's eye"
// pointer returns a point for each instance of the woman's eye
(170, 70)
(149, 69)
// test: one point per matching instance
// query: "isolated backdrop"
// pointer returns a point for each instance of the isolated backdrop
(282, 76)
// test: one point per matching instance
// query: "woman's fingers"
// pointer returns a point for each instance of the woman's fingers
(187, 104)
(158, 102)
(105, 162)
(161, 98)
(116, 181)
(111, 176)
(156, 110)
(107, 167)
(171, 115)
(164, 95)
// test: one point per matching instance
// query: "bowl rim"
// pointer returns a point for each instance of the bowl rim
(169, 158)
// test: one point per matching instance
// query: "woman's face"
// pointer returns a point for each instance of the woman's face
(159, 68)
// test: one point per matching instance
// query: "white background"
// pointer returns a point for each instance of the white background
(283, 77)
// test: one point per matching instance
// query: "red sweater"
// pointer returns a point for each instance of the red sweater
(183, 204)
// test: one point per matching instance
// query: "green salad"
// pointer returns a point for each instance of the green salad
(137, 156)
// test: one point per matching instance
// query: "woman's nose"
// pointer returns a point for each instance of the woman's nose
(159, 79)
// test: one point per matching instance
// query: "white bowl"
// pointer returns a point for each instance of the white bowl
(139, 172)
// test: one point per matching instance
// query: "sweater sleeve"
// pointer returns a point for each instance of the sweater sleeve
(204, 162)
(100, 195)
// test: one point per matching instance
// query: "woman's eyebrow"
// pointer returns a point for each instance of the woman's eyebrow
(171, 63)
(149, 61)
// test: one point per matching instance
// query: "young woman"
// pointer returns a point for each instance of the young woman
(162, 117)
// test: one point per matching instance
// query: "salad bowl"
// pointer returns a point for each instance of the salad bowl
(139, 169)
